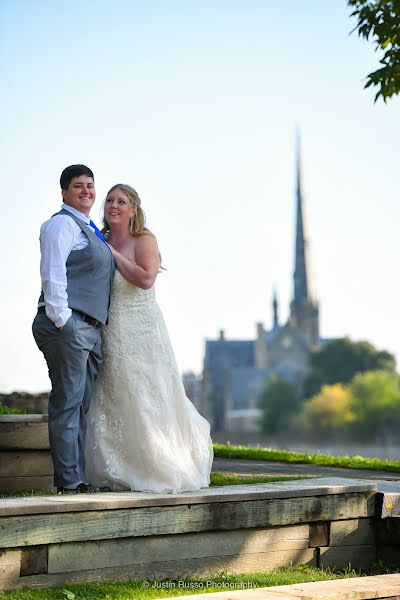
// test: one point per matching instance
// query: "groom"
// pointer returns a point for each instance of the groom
(76, 270)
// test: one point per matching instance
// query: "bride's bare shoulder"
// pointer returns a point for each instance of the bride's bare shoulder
(146, 241)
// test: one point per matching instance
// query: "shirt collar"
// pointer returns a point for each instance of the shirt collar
(75, 212)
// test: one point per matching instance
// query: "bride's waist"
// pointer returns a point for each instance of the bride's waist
(132, 303)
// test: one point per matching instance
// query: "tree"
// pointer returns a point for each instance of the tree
(376, 403)
(279, 402)
(338, 361)
(329, 411)
(380, 19)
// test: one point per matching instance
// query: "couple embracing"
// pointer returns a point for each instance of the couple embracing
(119, 418)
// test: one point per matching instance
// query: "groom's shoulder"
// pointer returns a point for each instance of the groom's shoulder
(58, 223)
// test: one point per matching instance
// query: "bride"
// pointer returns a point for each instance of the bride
(143, 434)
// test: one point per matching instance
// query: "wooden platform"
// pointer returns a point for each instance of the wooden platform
(52, 540)
(25, 461)
(358, 588)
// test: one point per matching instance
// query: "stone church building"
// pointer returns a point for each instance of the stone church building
(235, 370)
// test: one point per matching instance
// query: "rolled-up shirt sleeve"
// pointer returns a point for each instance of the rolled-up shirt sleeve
(57, 238)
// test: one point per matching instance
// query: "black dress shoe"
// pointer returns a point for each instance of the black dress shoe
(105, 489)
(83, 488)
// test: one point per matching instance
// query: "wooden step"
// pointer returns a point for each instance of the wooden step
(357, 588)
(24, 432)
(54, 540)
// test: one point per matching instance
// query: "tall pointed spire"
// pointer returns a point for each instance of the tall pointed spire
(275, 309)
(304, 311)
(301, 270)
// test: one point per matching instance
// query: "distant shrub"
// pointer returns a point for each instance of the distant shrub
(329, 411)
(279, 402)
(4, 410)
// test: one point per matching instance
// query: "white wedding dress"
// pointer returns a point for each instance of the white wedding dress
(143, 432)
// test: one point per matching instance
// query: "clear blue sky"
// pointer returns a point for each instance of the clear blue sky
(195, 104)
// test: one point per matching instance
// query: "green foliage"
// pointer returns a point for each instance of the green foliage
(218, 478)
(380, 20)
(287, 456)
(339, 360)
(4, 410)
(366, 407)
(146, 590)
(376, 402)
(279, 402)
(330, 410)
(68, 594)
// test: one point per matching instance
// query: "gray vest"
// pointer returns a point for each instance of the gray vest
(89, 275)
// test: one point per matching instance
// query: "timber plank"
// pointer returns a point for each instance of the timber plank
(68, 527)
(25, 463)
(23, 484)
(319, 534)
(34, 560)
(359, 557)
(201, 567)
(232, 493)
(23, 433)
(10, 564)
(357, 588)
(78, 556)
(32, 418)
(352, 532)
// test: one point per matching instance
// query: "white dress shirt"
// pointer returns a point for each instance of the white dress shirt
(58, 237)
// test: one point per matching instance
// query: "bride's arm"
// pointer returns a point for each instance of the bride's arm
(143, 270)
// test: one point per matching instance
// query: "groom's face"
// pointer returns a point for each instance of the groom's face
(80, 194)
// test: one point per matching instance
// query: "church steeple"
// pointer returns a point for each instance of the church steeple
(301, 270)
(275, 309)
(304, 313)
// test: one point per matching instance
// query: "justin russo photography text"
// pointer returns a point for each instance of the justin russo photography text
(198, 585)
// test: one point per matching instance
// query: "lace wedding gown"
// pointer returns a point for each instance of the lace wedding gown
(143, 433)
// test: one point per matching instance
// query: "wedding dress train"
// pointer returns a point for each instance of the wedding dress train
(143, 432)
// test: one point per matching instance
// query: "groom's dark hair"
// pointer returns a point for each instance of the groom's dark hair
(74, 171)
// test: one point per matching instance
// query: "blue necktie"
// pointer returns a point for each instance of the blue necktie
(97, 232)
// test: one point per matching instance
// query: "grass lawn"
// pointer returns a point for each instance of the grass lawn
(219, 478)
(163, 588)
(268, 454)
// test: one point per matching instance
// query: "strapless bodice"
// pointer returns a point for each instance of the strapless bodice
(126, 294)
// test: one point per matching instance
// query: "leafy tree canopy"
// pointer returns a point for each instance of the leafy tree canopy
(376, 402)
(330, 409)
(369, 405)
(279, 402)
(380, 20)
(338, 361)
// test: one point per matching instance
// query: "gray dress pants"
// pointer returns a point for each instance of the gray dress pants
(73, 357)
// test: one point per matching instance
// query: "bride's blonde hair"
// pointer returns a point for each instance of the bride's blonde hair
(137, 223)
